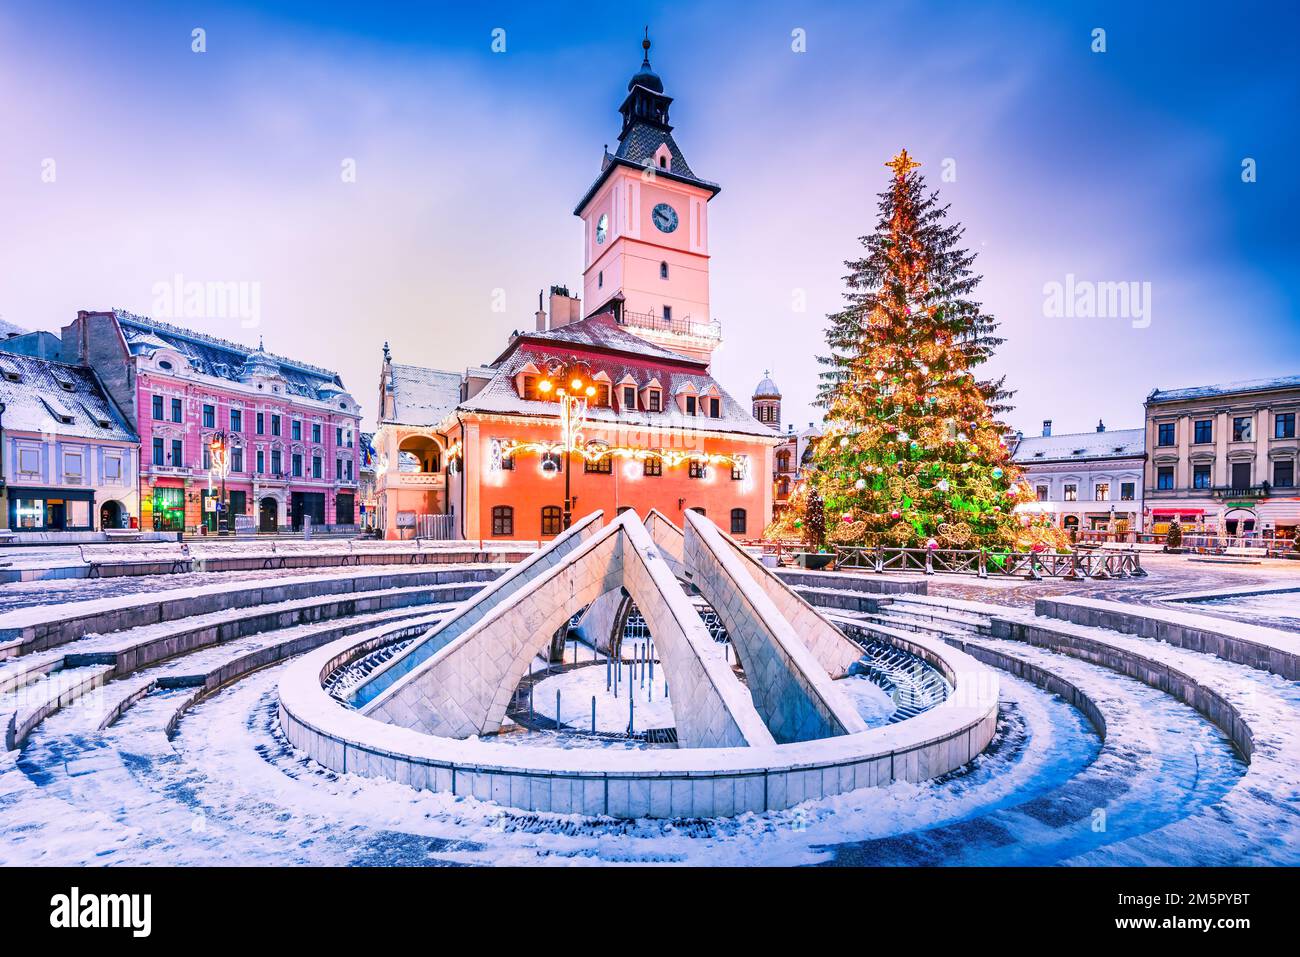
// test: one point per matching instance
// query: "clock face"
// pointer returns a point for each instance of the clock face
(665, 218)
(602, 228)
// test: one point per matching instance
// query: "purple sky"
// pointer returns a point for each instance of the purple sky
(1123, 166)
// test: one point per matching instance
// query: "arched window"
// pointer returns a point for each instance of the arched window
(552, 520)
(663, 161)
(696, 508)
(663, 270)
(737, 521)
(783, 461)
(503, 520)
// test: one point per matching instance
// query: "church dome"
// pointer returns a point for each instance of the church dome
(767, 388)
(646, 76)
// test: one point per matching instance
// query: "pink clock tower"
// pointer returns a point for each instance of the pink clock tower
(646, 236)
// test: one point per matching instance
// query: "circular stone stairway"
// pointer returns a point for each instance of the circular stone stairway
(160, 741)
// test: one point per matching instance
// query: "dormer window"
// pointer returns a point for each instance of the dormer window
(663, 162)
(629, 397)
(690, 405)
(164, 364)
(654, 400)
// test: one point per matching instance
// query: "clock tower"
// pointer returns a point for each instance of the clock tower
(646, 229)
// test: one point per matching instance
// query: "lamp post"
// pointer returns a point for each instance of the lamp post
(573, 390)
(220, 457)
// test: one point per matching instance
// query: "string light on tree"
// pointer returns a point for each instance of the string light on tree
(915, 454)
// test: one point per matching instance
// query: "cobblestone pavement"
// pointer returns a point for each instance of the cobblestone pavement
(1166, 575)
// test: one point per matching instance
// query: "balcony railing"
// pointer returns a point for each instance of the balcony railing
(681, 327)
(1252, 491)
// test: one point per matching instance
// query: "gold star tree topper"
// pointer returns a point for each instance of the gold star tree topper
(902, 164)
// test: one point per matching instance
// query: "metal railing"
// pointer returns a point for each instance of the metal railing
(984, 563)
(684, 327)
(1194, 542)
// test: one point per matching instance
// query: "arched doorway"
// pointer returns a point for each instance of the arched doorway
(110, 515)
(268, 515)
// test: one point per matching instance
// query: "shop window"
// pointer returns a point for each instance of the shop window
(29, 513)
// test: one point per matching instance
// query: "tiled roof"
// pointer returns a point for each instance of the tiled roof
(423, 396)
(1226, 388)
(1116, 443)
(601, 332)
(637, 150)
(51, 397)
(223, 359)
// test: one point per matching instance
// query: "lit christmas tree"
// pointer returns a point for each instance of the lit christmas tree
(914, 454)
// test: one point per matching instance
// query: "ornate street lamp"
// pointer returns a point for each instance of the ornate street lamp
(219, 457)
(573, 387)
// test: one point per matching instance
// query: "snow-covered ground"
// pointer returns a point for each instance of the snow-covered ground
(229, 790)
(1164, 787)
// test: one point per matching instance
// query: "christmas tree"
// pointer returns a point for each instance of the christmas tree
(913, 453)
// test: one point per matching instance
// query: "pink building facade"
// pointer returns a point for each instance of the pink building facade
(290, 431)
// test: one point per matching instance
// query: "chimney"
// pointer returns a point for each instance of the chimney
(1047, 427)
(564, 308)
(541, 313)
(1101, 426)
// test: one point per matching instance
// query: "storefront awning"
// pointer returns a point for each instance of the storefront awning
(67, 494)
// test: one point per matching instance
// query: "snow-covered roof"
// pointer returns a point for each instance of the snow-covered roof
(626, 360)
(43, 396)
(602, 332)
(423, 396)
(8, 329)
(767, 388)
(223, 359)
(1115, 443)
(1225, 388)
